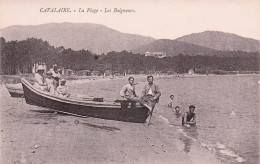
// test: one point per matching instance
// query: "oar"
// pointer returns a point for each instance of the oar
(194, 125)
(176, 124)
(186, 125)
(147, 121)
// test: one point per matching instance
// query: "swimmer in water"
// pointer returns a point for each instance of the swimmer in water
(170, 104)
(177, 110)
(189, 118)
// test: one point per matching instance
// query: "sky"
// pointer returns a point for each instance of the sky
(160, 19)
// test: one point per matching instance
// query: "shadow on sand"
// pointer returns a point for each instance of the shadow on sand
(108, 128)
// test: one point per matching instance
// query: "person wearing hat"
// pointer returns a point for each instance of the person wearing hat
(40, 81)
(189, 118)
(62, 89)
(56, 76)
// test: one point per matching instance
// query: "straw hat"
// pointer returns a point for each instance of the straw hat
(40, 68)
(62, 81)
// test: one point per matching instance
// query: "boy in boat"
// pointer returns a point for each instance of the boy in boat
(189, 118)
(62, 89)
(128, 91)
(40, 81)
(49, 82)
(150, 96)
(56, 76)
(170, 104)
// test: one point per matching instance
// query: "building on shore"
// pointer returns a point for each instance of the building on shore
(191, 72)
(84, 73)
(96, 73)
(155, 54)
(67, 71)
(36, 65)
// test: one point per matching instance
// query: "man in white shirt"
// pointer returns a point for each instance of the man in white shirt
(128, 91)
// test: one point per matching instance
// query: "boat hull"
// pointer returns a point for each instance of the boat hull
(15, 91)
(111, 110)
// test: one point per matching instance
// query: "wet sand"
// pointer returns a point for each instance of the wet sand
(31, 134)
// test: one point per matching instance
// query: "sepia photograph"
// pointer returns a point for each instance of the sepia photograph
(129, 82)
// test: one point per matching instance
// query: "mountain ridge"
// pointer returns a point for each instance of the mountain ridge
(222, 41)
(174, 48)
(93, 37)
(102, 39)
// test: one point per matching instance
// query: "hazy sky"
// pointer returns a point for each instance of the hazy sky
(160, 19)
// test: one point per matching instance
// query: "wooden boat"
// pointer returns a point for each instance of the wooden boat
(15, 90)
(120, 110)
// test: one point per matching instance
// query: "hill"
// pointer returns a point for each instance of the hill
(222, 41)
(94, 37)
(174, 48)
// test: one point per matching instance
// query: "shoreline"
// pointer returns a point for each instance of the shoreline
(30, 134)
(82, 79)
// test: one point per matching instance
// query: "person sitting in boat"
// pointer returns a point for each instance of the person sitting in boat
(149, 97)
(170, 104)
(128, 91)
(150, 94)
(49, 82)
(189, 118)
(56, 76)
(40, 81)
(62, 89)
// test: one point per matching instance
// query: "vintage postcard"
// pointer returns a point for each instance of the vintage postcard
(148, 81)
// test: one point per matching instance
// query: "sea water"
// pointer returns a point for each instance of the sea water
(227, 110)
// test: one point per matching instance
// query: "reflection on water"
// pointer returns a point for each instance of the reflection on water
(187, 140)
(227, 110)
(178, 115)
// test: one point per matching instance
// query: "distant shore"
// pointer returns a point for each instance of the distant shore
(82, 79)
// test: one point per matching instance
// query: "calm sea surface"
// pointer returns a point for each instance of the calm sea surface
(227, 109)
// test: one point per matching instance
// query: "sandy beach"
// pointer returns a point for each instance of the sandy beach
(31, 134)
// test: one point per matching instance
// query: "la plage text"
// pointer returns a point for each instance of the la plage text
(55, 10)
(87, 10)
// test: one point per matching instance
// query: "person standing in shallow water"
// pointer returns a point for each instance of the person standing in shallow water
(170, 104)
(150, 96)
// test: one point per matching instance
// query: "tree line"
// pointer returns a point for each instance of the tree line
(19, 56)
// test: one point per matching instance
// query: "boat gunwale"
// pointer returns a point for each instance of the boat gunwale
(15, 90)
(71, 101)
